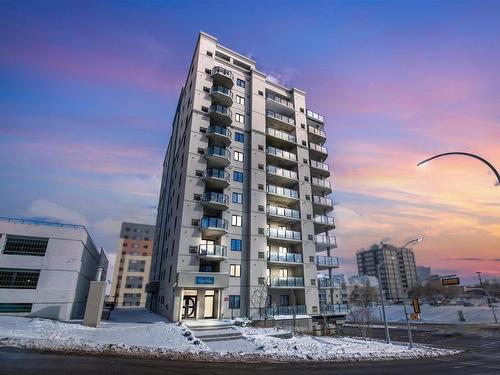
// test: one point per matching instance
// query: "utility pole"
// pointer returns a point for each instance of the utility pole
(387, 335)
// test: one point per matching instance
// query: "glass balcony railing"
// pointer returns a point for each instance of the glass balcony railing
(210, 196)
(319, 132)
(220, 109)
(281, 135)
(279, 100)
(278, 190)
(281, 153)
(325, 240)
(283, 234)
(284, 257)
(216, 173)
(319, 148)
(328, 283)
(319, 165)
(285, 281)
(280, 117)
(221, 90)
(215, 129)
(222, 71)
(281, 172)
(322, 200)
(287, 310)
(282, 211)
(218, 151)
(327, 261)
(334, 309)
(208, 222)
(319, 182)
(212, 250)
(323, 219)
(314, 115)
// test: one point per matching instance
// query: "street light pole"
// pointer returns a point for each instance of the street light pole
(387, 335)
(490, 303)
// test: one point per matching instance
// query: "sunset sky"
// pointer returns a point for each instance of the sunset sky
(88, 91)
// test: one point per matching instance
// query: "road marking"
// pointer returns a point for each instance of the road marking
(470, 363)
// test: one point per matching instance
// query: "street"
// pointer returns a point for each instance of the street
(481, 356)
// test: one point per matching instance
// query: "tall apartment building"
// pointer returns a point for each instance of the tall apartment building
(423, 273)
(243, 210)
(398, 271)
(46, 268)
(132, 265)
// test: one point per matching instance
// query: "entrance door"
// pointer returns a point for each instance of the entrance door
(209, 303)
(189, 307)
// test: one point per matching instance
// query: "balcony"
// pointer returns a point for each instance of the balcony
(286, 310)
(222, 95)
(314, 116)
(317, 150)
(281, 176)
(323, 262)
(281, 157)
(280, 138)
(328, 283)
(222, 76)
(216, 201)
(323, 201)
(283, 234)
(285, 282)
(282, 194)
(220, 114)
(276, 257)
(282, 214)
(323, 241)
(320, 168)
(320, 186)
(280, 121)
(323, 223)
(218, 157)
(334, 309)
(212, 252)
(219, 136)
(216, 178)
(213, 226)
(275, 102)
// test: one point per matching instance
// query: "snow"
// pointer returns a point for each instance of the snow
(142, 333)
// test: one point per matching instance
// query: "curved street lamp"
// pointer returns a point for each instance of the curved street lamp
(465, 154)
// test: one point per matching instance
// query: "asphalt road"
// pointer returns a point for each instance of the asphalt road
(481, 356)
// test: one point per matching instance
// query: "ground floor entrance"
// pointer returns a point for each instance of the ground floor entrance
(200, 304)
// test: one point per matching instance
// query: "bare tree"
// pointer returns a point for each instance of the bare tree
(258, 301)
(362, 297)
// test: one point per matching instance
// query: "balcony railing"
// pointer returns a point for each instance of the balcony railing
(277, 281)
(218, 151)
(221, 90)
(328, 283)
(323, 219)
(319, 148)
(318, 132)
(220, 109)
(284, 257)
(215, 129)
(332, 309)
(282, 211)
(287, 310)
(281, 172)
(327, 261)
(213, 222)
(212, 250)
(322, 200)
(319, 165)
(281, 135)
(283, 234)
(278, 190)
(314, 115)
(281, 153)
(279, 100)
(216, 173)
(210, 196)
(222, 71)
(319, 182)
(280, 117)
(325, 240)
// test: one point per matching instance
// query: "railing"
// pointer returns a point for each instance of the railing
(212, 250)
(223, 71)
(325, 240)
(278, 190)
(218, 151)
(281, 135)
(319, 165)
(323, 219)
(288, 310)
(312, 129)
(215, 129)
(280, 117)
(327, 261)
(216, 173)
(210, 196)
(322, 200)
(281, 153)
(319, 182)
(279, 100)
(213, 222)
(285, 281)
(332, 309)
(40, 222)
(284, 234)
(221, 109)
(284, 257)
(319, 148)
(281, 172)
(328, 283)
(222, 90)
(282, 211)
(267, 313)
(314, 115)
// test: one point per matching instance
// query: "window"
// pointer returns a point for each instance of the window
(136, 265)
(239, 118)
(236, 220)
(18, 279)
(235, 244)
(209, 53)
(240, 82)
(206, 89)
(208, 71)
(239, 137)
(238, 156)
(134, 282)
(131, 299)
(238, 176)
(240, 100)
(234, 302)
(234, 270)
(238, 198)
(204, 109)
(19, 245)
(261, 93)
(6, 308)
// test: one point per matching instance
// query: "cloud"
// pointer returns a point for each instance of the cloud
(107, 226)
(148, 186)
(43, 208)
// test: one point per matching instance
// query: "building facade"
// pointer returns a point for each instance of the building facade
(398, 271)
(46, 268)
(243, 210)
(423, 273)
(132, 265)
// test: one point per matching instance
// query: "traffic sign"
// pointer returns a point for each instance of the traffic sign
(416, 305)
(450, 281)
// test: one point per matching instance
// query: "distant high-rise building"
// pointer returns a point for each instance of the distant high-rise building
(397, 273)
(132, 265)
(423, 273)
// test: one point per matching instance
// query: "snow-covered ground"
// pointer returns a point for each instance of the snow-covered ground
(141, 333)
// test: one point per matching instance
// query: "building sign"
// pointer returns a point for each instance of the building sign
(204, 280)
(226, 298)
(450, 281)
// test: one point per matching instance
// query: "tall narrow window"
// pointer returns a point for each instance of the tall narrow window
(235, 270)
(238, 198)
(238, 156)
(236, 220)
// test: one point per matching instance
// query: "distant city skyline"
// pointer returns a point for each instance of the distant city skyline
(89, 90)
